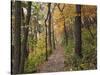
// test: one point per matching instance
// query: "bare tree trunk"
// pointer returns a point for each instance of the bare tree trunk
(46, 35)
(78, 41)
(17, 37)
(66, 33)
(12, 47)
(49, 27)
(53, 35)
(48, 30)
(46, 41)
(24, 51)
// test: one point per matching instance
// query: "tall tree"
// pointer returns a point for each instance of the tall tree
(46, 38)
(49, 26)
(24, 50)
(48, 31)
(17, 39)
(77, 31)
(12, 47)
(46, 35)
(66, 33)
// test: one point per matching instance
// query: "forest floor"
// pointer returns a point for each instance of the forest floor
(55, 61)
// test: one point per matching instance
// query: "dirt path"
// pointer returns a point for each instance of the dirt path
(55, 62)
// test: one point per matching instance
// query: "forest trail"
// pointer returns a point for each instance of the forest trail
(55, 62)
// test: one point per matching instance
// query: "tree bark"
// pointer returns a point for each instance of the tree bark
(46, 40)
(78, 41)
(66, 33)
(24, 51)
(49, 27)
(53, 35)
(17, 38)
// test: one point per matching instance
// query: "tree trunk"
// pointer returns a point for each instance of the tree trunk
(53, 36)
(46, 40)
(12, 34)
(78, 41)
(46, 36)
(24, 51)
(49, 27)
(66, 34)
(17, 38)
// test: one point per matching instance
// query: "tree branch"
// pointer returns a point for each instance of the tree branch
(61, 10)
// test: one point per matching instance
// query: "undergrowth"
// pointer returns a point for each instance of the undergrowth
(89, 52)
(37, 56)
